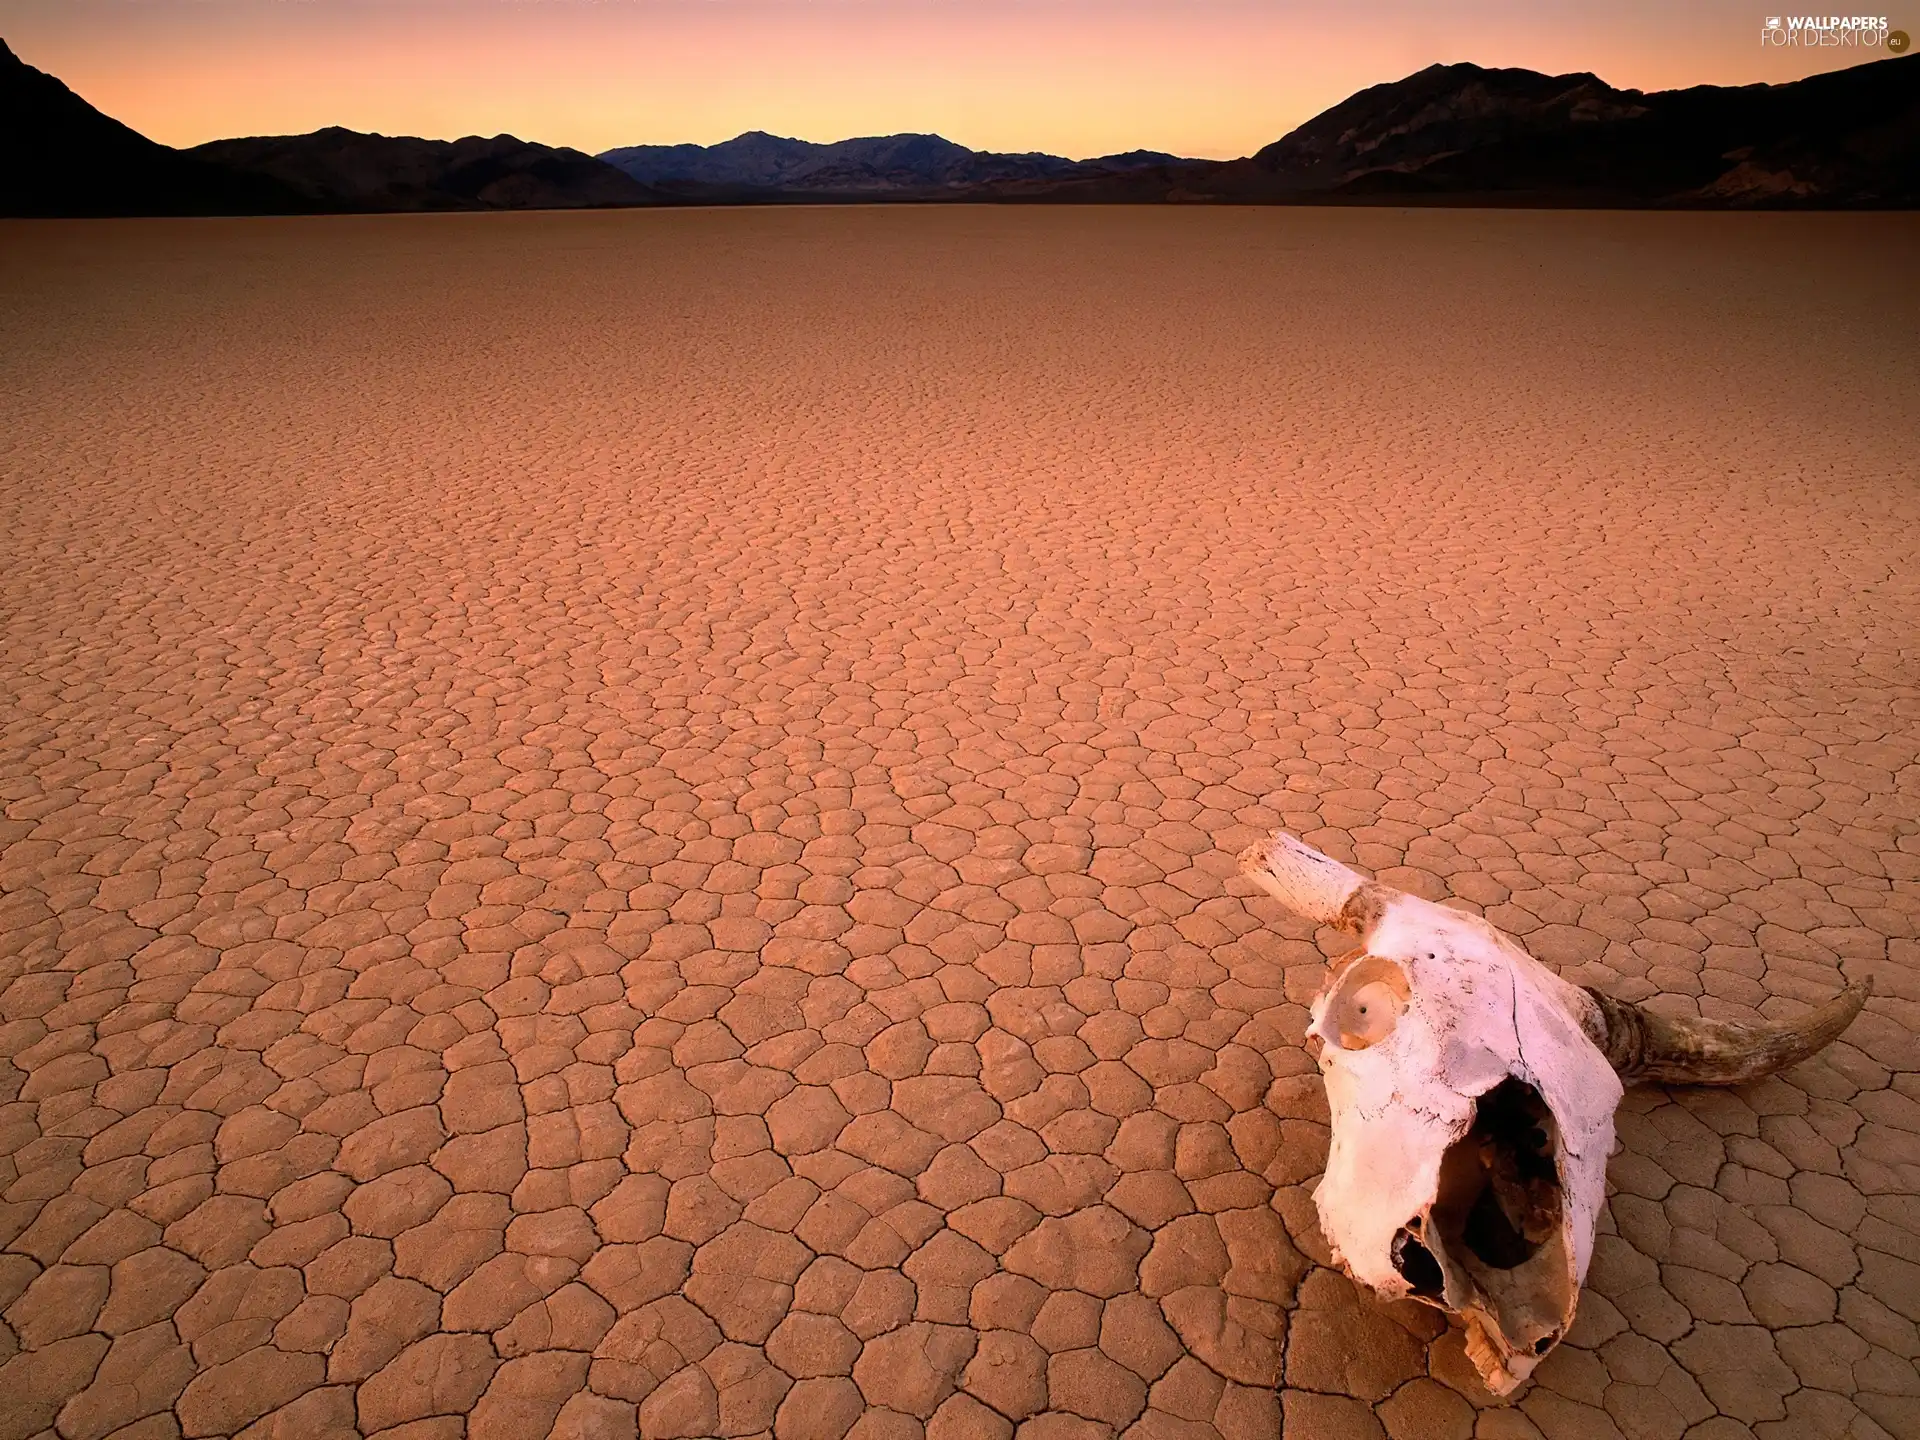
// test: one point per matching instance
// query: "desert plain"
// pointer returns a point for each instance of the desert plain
(623, 823)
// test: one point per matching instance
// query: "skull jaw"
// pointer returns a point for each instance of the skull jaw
(1504, 1344)
(1495, 1244)
(1502, 1370)
(1513, 1324)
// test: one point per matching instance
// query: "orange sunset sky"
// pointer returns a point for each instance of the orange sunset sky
(1212, 78)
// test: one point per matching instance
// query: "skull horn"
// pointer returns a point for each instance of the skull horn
(1316, 886)
(1686, 1050)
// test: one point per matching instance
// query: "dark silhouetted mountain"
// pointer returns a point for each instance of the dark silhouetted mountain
(902, 166)
(1448, 112)
(1135, 160)
(60, 156)
(1463, 134)
(336, 169)
(1848, 137)
(1451, 134)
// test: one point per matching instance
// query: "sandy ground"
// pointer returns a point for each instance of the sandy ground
(637, 810)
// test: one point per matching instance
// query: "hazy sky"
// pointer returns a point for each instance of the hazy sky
(1074, 77)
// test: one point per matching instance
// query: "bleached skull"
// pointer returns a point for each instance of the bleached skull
(1472, 1093)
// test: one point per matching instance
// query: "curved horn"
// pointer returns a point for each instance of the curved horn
(1686, 1050)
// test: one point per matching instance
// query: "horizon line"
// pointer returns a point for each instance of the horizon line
(522, 132)
(937, 135)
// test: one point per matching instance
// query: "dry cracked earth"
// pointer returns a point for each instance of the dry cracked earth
(622, 824)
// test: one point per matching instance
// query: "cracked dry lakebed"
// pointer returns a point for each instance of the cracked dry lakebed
(623, 824)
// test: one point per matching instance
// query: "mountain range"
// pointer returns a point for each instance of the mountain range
(336, 169)
(1848, 138)
(877, 165)
(1449, 134)
(60, 156)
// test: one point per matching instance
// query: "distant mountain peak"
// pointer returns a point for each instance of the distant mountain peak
(908, 163)
(338, 168)
(1464, 129)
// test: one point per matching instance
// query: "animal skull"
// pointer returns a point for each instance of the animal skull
(1472, 1093)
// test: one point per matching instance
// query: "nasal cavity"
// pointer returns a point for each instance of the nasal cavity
(1416, 1263)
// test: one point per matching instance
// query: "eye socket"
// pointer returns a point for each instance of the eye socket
(1367, 1002)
